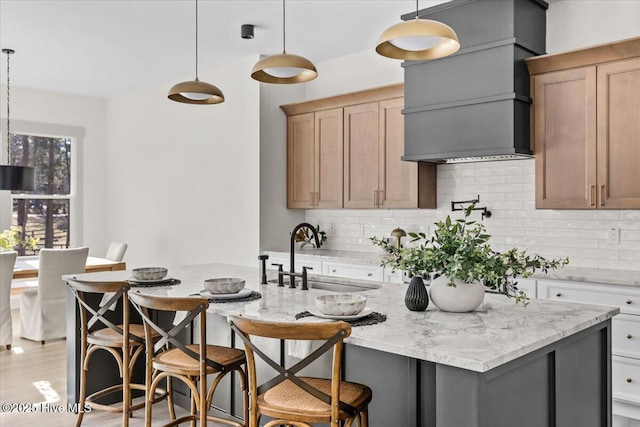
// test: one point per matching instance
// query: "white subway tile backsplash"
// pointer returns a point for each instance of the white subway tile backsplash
(507, 188)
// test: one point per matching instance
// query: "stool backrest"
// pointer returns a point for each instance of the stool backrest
(193, 306)
(90, 316)
(333, 333)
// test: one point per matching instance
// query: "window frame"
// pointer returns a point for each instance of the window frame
(76, 135)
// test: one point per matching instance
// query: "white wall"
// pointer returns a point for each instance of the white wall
(353, 73)
(276, 221)
(183, 180)
(80, 112)
(507, 188)
(574, 24)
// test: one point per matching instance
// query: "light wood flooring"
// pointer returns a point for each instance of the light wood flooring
(33, 373)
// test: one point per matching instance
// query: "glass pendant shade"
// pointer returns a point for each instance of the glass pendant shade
(196, 92)
(284, 68)
(418, 39)
(17, 178)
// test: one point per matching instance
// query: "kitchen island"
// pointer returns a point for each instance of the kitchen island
(501, 365)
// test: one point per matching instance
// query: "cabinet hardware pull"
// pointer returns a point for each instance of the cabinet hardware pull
(375, 198)
(592, 195)
(380, 198)
(558, 294)
(369, 274)
(629, 380)
(628, 301)
(629, 336)
(602, 195)
(333, 271)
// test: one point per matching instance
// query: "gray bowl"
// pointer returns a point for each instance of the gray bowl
(341, 304)
(224, 285)
(149, 273)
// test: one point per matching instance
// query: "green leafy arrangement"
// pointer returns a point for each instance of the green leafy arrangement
(459, 249)
(12, 239)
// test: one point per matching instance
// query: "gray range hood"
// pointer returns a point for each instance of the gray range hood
(474, 105)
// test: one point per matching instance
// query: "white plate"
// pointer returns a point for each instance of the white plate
(244, 292)
(364, 313)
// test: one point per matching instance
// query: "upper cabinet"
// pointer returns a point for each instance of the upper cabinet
(345, 151)
(314, 160)
(586, 131)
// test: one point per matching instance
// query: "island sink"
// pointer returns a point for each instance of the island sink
(337, 285)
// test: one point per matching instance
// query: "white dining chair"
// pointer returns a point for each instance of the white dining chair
(7, 262)
(116, 251)
(43, 311)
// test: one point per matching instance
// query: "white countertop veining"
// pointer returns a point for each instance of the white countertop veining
(498, 332)
(577, 274)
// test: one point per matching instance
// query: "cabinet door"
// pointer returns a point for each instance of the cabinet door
(398, 180)
(328, 154)
(300, 160)
(565, 138)
(361, 155)
(619, 134)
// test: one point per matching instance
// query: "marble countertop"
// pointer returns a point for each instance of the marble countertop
(496, 333)
(576, 274)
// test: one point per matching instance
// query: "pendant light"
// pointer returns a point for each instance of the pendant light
(418, 39)
(14, 178)
(196, 91)
(284, 68)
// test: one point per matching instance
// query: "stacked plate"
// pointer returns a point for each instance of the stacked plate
(147, 276)
(224, 288)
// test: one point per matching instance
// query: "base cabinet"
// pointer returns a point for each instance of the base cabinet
(625, 334)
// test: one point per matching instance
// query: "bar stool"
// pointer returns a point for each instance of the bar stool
(300, 401)
(125, 342)
(170, 358)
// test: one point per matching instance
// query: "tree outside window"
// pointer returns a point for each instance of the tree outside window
(43, 214)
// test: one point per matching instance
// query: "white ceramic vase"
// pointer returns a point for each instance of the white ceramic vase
(462, 298)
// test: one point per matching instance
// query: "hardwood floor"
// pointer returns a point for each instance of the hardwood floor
(33, 374)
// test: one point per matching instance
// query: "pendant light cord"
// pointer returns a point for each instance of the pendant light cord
(8, 52)
(196, 40)
(417, 15)
(284, 29)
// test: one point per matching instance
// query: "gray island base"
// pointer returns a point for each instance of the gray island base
(503, 365)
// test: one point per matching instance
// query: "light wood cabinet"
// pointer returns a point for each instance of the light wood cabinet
(585, 127)
(361, 156)
(314, 160)
(365, 162)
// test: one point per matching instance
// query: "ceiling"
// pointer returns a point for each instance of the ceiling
(105, 48)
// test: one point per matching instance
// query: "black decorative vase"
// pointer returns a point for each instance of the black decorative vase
(416, 298)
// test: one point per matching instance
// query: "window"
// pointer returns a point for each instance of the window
(45, 213)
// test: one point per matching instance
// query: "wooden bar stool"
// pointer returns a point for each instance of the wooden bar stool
(170, 358)
(300, 401)
(125, 342)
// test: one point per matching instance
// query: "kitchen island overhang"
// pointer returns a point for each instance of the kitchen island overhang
(503, 364)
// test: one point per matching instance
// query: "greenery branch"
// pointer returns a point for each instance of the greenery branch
(304, 235)
(459, 249)
(14, 239)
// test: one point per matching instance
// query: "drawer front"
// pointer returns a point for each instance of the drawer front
(353, 271)
(392, 276)
(625, 340)
(528, 286)
(626, 379)
(627, 299)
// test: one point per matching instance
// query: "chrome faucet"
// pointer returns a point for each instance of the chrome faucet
(292, 259)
